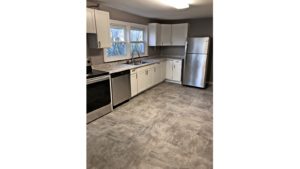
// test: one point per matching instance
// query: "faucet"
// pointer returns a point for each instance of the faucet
(132, 54)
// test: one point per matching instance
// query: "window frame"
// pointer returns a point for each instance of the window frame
(143, 41)
(128, 26)
(125, 37)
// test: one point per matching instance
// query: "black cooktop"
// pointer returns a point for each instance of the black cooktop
(94, 73)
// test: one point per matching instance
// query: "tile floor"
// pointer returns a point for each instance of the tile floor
(166, 127)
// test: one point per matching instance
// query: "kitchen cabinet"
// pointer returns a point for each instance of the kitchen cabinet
(154, 34)
(177, 66)
(134, 82)
(156, 73)
(150, 77)
(179, 34)
(173, 70)
(143, 76)
(163, 71)
(166, 34)
(169, 69)
(90, 21)
(103, 29)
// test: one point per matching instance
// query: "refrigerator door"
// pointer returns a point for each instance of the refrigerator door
(194, 70)
(198, 45)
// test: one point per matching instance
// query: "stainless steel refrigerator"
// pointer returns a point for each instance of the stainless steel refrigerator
(196, 61)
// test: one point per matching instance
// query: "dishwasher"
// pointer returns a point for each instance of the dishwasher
(120, 82)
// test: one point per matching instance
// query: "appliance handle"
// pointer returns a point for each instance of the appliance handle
(97, 79)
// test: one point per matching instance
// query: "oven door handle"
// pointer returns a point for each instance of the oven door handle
(97, 79)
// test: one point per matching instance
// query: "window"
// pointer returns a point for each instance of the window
(137, 40)
(119, 46)
(126, 38)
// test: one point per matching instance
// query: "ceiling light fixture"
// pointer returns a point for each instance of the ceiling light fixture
(178, 4)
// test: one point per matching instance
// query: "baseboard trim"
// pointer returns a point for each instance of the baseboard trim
(172, 81)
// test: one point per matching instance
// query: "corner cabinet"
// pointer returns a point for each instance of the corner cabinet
(173, 70)
(167, 34)
(90, 21)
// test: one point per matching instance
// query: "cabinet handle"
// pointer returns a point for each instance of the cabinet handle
(99, 44)
(136, 76)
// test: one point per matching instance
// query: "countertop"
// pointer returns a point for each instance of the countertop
(121, 66)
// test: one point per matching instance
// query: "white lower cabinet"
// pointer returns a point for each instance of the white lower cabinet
(134, 82)
(142, 76)
(169, 69)
(177, 65)
(173, 70)
(157, 73)
(163, 70)
(148, 76)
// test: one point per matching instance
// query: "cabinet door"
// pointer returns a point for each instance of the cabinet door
(154, 34)
(179, 34)
(103, 29)
(157, 73)
(166, 32)
(134, 84)
(177, 70)
(163, 71)
(169, 70)
(150, 77)
(90, 21)
(142, 79)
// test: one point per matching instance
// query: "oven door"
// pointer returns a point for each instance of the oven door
(98, 93)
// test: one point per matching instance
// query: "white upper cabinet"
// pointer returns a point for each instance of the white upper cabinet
(166, 34)
(103, 29)
(179, 34)
(90, 21)
(154, 34)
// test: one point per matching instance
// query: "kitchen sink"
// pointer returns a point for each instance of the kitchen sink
(137, 62)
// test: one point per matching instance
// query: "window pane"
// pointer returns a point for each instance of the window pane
(139, 47)
(136, 35)
(117, 34)
(117, 49)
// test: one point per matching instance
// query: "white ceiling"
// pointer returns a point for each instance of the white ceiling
(157, 10)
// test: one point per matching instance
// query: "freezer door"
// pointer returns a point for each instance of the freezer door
(198, 45)
(195, 70)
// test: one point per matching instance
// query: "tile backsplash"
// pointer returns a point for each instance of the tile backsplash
(96, 56)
